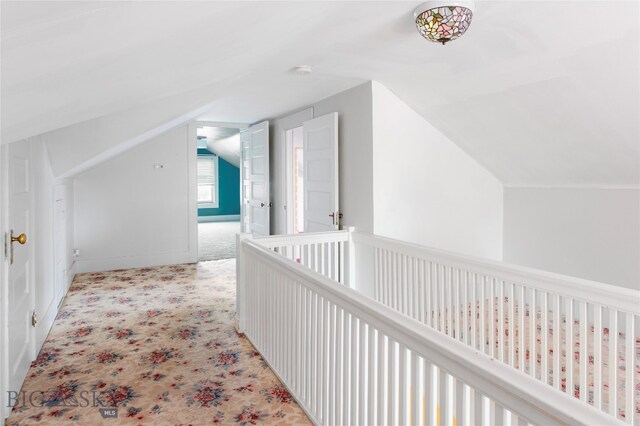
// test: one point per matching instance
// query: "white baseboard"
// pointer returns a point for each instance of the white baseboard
(221, 218)
(44, 324)
(47, 319)
(128, 262)
(71, 274)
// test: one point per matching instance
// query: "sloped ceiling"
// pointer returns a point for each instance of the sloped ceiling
(540, 93)
(224, 142)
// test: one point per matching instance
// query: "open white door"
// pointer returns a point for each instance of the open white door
(245, 182)
(321, 210)
(19, 301)
(259, 194)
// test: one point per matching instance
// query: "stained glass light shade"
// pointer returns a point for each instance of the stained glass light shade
(443, 21)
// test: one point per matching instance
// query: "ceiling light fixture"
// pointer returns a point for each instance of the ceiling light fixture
(302, 69)
(441, 21)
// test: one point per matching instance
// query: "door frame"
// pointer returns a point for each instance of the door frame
(285, 124)
(59, 193)
(193, 177)
(4, 270)
(289, 176)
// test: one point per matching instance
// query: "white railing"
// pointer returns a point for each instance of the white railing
(348, 359)
(526, 318)
(323, 252)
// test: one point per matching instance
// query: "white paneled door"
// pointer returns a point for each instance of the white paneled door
(321, 211)
(259, 204)
(245, 181)
(19, 257)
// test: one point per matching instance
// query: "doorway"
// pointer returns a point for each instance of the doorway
(311, 176)
(295, 180)
(218, 191)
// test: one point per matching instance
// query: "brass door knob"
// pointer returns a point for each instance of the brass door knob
(22, 238)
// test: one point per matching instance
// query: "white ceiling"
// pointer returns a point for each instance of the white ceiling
(224, 142)
(217, 133)
(540, 93)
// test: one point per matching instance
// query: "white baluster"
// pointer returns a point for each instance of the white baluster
(339, 386)
(501, 317)
(416, 390)
(613, 362)
(597, 357)
(569, 346)
(362, 372)
(404, 413)
(544, 338)
(533, 331)
(392, 371)
(482, 317)
(332, 402)
(465, 308)
(346, 372)
(474, 310)
(431, 389)
(584, 352)
(557, 350)
(374, 377)
(522, 345)
(629, 389)
(383, 382)
(512, 324)
(353, 362)
(456, 305)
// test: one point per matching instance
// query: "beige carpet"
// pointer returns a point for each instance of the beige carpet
(158, 345)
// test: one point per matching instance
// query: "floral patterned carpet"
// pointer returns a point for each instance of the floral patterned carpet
(159, 345)
(621, 362)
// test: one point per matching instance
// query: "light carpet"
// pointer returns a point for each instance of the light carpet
(159, 345)
(217, 240)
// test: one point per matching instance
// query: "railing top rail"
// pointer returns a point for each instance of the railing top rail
(528, 397)
(300, 239)
(620, 298)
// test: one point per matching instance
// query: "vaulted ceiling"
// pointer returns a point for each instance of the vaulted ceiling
(540, 93)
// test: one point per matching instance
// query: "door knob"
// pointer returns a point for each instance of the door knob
(22, 238)
(335, 217)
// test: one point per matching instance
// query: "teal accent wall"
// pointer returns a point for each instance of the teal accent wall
(228, 190)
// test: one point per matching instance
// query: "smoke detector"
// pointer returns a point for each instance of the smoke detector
(302, 69)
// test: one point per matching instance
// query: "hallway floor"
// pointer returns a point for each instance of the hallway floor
(159, 344)
(217, 240)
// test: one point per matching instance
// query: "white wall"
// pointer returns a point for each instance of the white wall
(426, 189)
(355, 153)
(131, 214)
(585, 232)
(400, 177)
(354, 150)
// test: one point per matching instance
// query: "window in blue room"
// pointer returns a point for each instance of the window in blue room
(208, 181)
